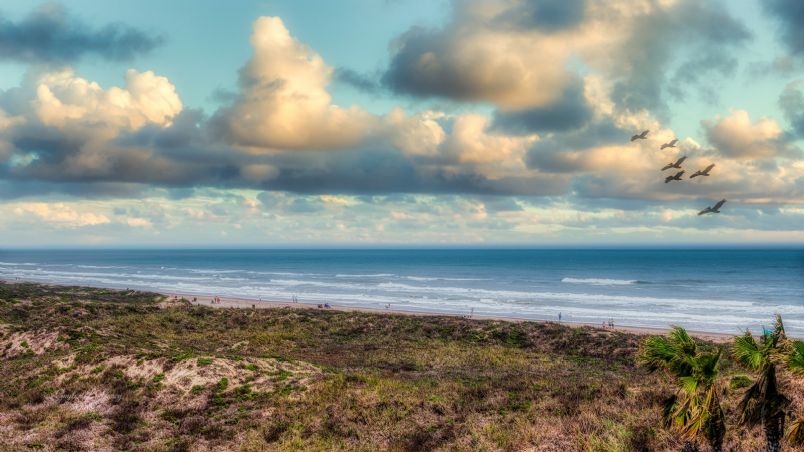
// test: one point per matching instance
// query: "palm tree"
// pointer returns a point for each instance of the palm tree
(695, 408)
(795, 362)
(763, 403)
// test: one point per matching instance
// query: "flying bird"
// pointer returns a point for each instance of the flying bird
(641, 136)
(671, 144)
(676, 177)
(713, 209)
(703, 172)
(676, 165)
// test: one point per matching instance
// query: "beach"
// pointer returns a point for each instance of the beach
(241, 303)
(705, 290)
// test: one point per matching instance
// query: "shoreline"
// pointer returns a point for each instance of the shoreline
(245, 303)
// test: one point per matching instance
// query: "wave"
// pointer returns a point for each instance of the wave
(601, 281)
(426, 278)
(374, 275)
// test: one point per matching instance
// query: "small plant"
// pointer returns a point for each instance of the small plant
(196, 389)
(158, 378)
(223, 383)
(739, 381)
(204, 362)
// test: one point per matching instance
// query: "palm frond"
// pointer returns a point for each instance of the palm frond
(796, 433)
(795, 361)
(778, 328)
(748, 352)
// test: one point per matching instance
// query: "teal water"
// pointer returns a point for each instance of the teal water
(708, 290)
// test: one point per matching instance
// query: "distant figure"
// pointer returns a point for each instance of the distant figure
(713, 209)
(559, 317)
(603, 324)
(253, 306)
(704, 172)
(677, 176)
(671, 144)
(641, 136)
(320, 306)
(471, 312)
(326, 305)
(611, 323)
(676, 165)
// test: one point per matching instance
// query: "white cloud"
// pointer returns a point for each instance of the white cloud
(284, 103)
(61, 214)
(63, 100)
(737, 137)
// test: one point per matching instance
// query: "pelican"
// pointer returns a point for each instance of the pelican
(703, 172)
(671, 144)
(641, 136)
(713, 209)
(676, 177)
(676, 165)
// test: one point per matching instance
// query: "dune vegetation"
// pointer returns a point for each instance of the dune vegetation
(98, 369)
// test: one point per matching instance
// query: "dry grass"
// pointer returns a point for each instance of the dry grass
(108, 370)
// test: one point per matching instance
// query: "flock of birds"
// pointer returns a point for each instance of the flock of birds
(677, 176)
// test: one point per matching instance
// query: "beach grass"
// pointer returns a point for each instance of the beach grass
(103, 369)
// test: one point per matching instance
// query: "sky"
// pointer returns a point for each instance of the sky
(400, 122)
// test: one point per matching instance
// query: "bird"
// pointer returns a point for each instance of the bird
(671, 144)
(713, 209)
(676, 165)
(703, 172)
(676, 177)
(641, 136)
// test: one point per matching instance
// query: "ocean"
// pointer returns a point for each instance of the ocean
(715, 290)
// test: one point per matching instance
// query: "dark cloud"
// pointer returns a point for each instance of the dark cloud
(362, 82)
(705, 29)
(792, 103)
(405, 76)
(790, 15)
(697, 71)
(553, 153)
(547, 15)
(51, 35)
(570, 111)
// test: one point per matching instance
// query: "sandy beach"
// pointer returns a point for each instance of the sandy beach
(243, 303)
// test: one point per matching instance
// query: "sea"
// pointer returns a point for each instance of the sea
(712, 290)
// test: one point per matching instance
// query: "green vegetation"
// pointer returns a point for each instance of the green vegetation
(696, 411)
(127, 370)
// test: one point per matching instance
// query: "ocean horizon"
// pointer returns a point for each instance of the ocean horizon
(713, 290)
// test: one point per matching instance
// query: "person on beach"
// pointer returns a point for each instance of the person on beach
(559, 317)
(326, 305)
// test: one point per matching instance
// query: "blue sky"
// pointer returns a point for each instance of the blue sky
(399, 122)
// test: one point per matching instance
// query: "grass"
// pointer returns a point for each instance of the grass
(119, 370)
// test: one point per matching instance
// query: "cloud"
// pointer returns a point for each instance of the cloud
(283, 102)
(68, 135)
(61, 214)
(737, 137)
(700, 34)
(571, 111)
(790, 15)
(62, 100)
(791, 102)
(550, 15)
(525, 56)
(357, 80)
(50, 35)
